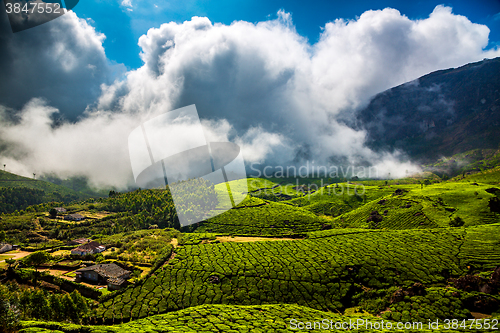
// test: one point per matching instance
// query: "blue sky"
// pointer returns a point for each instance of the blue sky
(123, 24)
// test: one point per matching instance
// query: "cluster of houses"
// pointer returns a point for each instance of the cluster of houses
(112, 275)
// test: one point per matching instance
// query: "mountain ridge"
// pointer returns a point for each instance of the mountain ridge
(443, 113)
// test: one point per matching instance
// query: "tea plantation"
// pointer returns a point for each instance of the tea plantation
(252, 318)
(324, 272)
(396, 250)
(398, 206)
(330, 238)
(259, 217)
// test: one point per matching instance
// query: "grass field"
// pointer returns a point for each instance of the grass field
(5, 256)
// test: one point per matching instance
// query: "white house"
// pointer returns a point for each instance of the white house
(4, 247)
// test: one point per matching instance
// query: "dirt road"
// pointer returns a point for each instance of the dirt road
(17, 254)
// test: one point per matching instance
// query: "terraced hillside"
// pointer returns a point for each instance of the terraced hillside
(375, 205)
(433, 206)
(258, 217)
(391, 212)
(371, 248)
(466, 162)
(303, 210)
(491, 176)
(17, 192)
(324, 272)
(333, 200)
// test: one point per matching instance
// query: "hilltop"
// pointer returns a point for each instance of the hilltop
(17, 192)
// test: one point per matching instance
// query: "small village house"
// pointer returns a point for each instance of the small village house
(79, 241)
(4, 247)
(116, 283)
(88, 248)
(60, 209)
(112, 275)
(74, 217)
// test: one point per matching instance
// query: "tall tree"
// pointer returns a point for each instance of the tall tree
(37, 258)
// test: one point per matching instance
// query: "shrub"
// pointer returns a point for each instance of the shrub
(9, 316)
(457, 221)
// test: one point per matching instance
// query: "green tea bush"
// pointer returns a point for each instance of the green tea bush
(277, 318)
(437, 303)
(322, 273)
(263, 218)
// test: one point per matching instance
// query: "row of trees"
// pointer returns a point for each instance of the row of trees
(18, 198)
(148, 207)
(24, 303)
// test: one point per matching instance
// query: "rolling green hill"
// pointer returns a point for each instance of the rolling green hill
(490, 176)
(356, 248)
(427, 207)
(470, 161)
(17, 192)
(258, 217)
(374, 205)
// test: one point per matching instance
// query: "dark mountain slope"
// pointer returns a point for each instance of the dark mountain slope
(17, 192)
(440, 114)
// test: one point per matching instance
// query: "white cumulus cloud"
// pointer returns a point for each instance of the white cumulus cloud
(262, 85)
(62, 61)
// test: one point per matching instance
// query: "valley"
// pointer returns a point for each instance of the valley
(307, 252)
